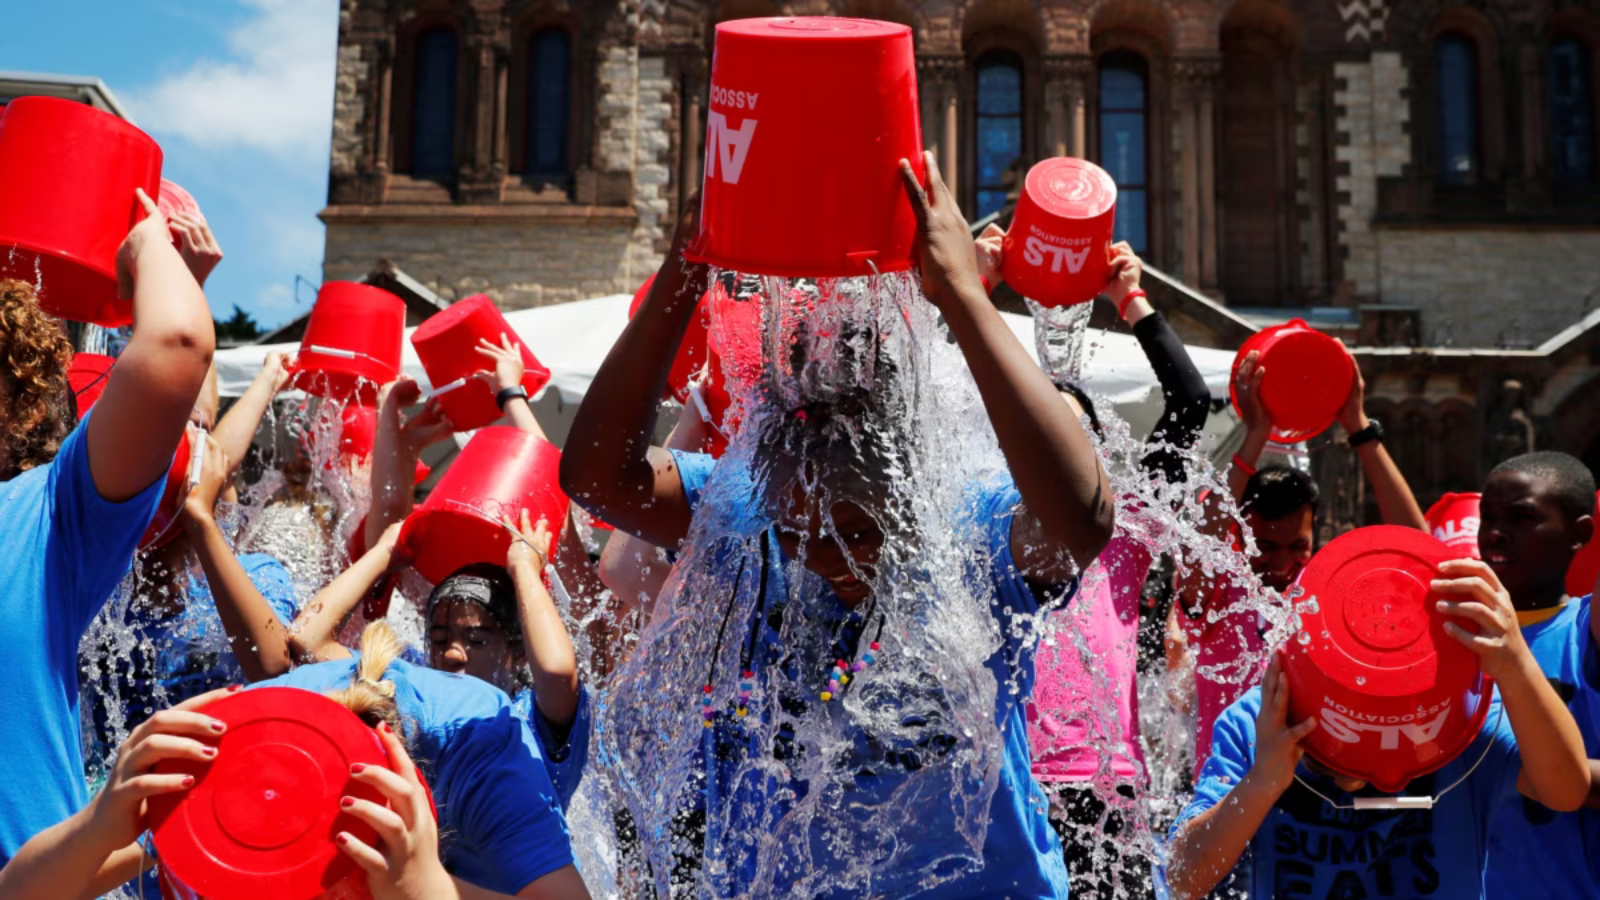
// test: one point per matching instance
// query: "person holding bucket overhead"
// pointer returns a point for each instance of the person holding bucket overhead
(1279, 506)
(79, 499)
(1372, 759)
(1535, 512)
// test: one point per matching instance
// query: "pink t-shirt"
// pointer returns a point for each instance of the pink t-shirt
(1219, 650)
(1079, 712)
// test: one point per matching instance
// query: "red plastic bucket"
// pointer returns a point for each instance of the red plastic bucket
(1454, 520)
(185, 467)
(447, 345)
(260, 821)
(353, 342)
(808, 121)
(174, 199)
(1585, 568)
(67, 173)
(692, 350)
(500, 472)
(1307, 382)
(1395, 697)
(1058, 251)
(88, 376)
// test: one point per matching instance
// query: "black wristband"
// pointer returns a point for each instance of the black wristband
(508, 394)
(1373, 432)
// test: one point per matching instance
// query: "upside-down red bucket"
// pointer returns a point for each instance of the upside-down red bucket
(1395, 697)
(808, 121)
(447, 345)
(501, 472)
(1307, 381)
(181, 476)
(1058, 251)
(68, 173)
(1454, 520)
(692, 350)
(353, 342)
(88, 377)
(261, 819)
(1585, 568)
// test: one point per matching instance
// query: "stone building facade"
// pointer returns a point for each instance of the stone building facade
(1421, 173)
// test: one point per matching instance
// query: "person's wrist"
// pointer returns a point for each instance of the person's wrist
(1353, 424)
(1268, 783)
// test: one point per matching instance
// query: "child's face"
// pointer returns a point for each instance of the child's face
(463, 638)
(1526, 537)
(1345, 782)
(1283, 547)
(854, 536)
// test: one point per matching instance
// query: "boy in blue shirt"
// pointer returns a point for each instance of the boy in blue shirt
(75, 505)
(1537, 512)
(1029, 533)
(1252, 827)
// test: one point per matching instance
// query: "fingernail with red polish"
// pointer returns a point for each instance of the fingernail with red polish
(358, 768)
(188, 781)
(347, 802)
(209, 751)
(218, 727)
(235, 688)
(342, 839)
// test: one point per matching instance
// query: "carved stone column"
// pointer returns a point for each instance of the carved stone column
(1066, 87)
(478, 179)
(939, 85)
(1195, 105)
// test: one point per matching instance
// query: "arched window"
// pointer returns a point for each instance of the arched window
(999, 126)
(549, 103)
(1571, 111)
(1457, 77)
(1123, 95)
(433, 119)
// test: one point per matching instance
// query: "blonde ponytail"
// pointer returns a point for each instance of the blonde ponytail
(369, 696)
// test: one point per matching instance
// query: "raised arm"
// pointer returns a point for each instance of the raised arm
(259, 639)
(1068, 511)
(399, 442)
(506, 358)
(544, 635)
(1185, 398)
(236, 431)
(1396, 503)
(153, 386)
(314, 634)
(618, 476)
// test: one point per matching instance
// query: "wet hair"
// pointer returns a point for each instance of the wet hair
(1278, 492)
(36, 353)
(370, 696)
(1068, 386)
(486, 586)
(1571, 483)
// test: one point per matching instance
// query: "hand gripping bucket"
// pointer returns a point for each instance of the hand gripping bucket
(1307, 382)
(500, 472)
(692, 350)
(1395, 697)
(1585, 568)
(447, 345)
(68, 173)
(808, 121)
(1454, 520)
(353, 342)
(1058, 251)
(260, 821)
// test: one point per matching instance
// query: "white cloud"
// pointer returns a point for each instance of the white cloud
(273, 92)
(276, 303)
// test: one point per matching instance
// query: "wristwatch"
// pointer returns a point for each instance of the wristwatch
(509, 394)
(1373, 432)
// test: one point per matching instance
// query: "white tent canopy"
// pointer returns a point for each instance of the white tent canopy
(572, 339)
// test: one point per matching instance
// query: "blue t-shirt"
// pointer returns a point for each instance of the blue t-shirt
(565, 755)
(189, 643)
(66, 549)
(1308, 850)
(1022, 855)
(1535, 851)
(498, 814)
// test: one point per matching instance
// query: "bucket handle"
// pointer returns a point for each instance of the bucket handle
(447, 388)
(339, 352)
(1364, 803)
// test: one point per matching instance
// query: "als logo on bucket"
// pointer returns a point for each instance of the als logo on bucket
(727, 148)
(1455, 532)
(1349, 726)
(1060, 251)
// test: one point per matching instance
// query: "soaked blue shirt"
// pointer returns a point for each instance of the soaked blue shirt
(1308, 850)
(501, 822)
(1533, 850)
(565, 752)
(66, 548)
(1021, 853)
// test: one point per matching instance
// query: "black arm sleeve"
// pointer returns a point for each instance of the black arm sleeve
(1185, 395)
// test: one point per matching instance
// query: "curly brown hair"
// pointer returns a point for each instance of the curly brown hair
(35, 354)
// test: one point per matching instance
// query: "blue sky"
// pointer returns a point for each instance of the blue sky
(240, 95)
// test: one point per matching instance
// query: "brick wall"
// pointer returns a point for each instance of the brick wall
(518, 264)
(1370, 118)
(1488, 288)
